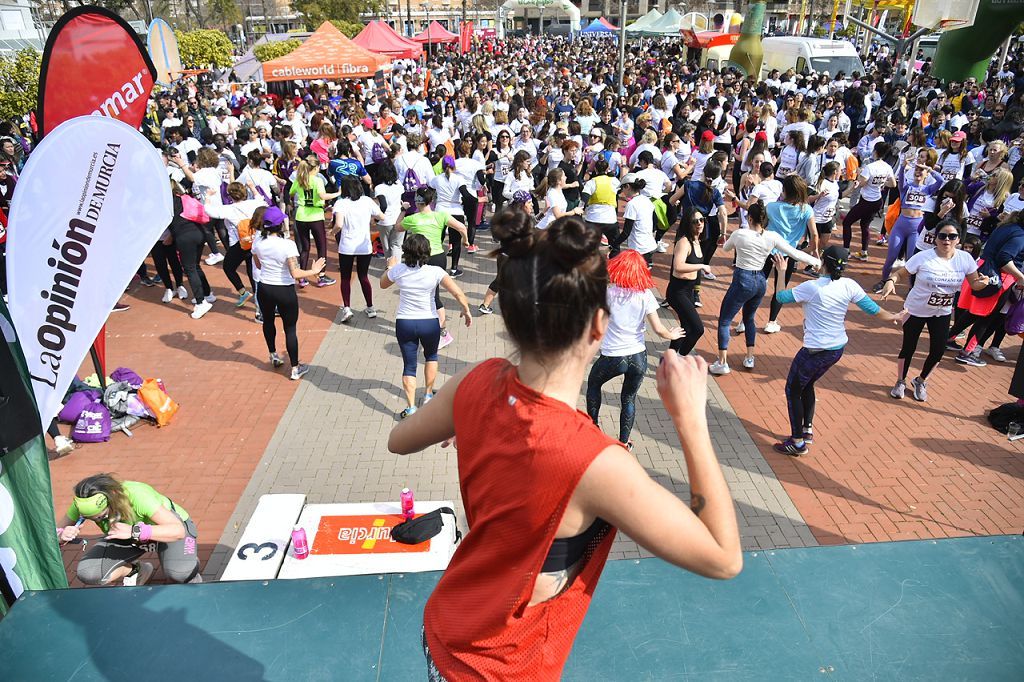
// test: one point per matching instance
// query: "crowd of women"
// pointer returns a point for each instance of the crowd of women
(582, 190)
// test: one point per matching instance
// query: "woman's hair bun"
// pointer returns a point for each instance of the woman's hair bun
(572, 242)
(513, 228)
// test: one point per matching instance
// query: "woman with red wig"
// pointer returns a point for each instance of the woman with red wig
(632, 307)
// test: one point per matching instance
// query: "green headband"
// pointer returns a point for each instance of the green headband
(91, 506)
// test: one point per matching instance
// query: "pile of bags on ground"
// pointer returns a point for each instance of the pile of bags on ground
(128, 399)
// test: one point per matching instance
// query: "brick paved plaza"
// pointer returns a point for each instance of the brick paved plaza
(878, 470)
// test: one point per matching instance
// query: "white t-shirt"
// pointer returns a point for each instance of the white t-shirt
(655, 180)
(273, 253)
(355, 226)
(825, 304)
(767, 191)
(600, 213)
(416, 290)
(626, 323)
(468, 168)
(393, 197)
(877, 173)
(641, 238)
(204, 179)
(449, 197)
(979, 212)
(1013, 203)
(259, 177)
(555, 199)
(825, 205)
(938, 280)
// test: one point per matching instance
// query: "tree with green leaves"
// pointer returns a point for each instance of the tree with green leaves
(223, 13)
(204, 48)
(267, 51)
(317, 12)
(19, 83)
(350, 28)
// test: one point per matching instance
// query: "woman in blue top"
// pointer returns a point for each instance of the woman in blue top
(826, 301)
(914, 195)
(793, 218)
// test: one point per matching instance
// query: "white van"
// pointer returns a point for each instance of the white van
(809, 54)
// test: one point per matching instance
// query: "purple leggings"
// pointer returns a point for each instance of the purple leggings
(903, 233)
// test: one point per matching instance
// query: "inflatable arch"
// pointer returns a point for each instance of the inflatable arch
(508, 9)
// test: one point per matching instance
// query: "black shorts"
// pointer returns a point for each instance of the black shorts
(825, 228)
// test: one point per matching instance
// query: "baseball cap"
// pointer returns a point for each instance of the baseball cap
(273, 216)
(707, 135)
(760, 136)
(958, 136)
(630, 179)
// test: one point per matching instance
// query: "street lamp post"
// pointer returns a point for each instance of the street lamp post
(408, 17)
(622, 46)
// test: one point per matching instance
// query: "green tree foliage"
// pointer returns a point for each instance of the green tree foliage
(317, 12)
(350, 28)
(19, 83)
(267, 51)
(204, 48)
(223, 13)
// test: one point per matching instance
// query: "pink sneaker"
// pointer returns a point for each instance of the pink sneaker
(303, 284)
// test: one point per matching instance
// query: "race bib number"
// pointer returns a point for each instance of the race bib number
(784, 171)
(938, 300)
(949, 174)
(974, 220)
(878, 180)
(915, 199)
(827, 215)
(928, 238)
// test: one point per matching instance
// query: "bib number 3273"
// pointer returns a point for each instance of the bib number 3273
(938, 300)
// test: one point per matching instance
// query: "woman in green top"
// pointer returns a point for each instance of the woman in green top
(310, 195)
(136, 519)
(431, 224)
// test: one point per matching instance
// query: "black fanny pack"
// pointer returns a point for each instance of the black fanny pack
(422, 528)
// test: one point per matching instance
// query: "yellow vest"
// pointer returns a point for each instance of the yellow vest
(604, 193)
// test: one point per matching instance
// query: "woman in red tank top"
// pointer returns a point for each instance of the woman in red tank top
(544, 489)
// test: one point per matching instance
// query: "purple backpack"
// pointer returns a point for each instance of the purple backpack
(93, 425)
(76, 403)
(1015, 318)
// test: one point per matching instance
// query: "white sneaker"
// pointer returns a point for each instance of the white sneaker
(140, 578)
(371, 312)
(662, 247)
(709, 276)
(276, 360)
(346, 314)
(994, 353)
(211, 299)
(298, 371)
(168, 296)
(740, 328)
(214, 259)
(182, 293)
(772, 328)
(63, 445)
(748, 363)
(719, 368)
(201, 309)
(898, 263)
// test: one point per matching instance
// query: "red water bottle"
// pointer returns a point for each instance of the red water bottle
(407, 504)
(299, 545)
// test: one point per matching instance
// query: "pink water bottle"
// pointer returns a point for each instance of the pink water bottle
(160, 383)
(407, 504)
(299, 545)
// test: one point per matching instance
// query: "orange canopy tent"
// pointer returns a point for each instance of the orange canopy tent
(326, 54)
(436, 33)
(381, 38)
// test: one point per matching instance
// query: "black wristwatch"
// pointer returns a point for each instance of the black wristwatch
(136, 532)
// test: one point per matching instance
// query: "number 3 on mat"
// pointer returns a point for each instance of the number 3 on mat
(255, 550)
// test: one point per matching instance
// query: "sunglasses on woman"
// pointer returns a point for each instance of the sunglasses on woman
(947, 236)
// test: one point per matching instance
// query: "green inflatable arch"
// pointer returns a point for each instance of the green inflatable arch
(966, 52)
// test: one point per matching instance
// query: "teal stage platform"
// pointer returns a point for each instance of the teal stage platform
(929, 610)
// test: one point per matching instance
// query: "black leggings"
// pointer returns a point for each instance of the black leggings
(455, 239)
(470, 206)
(938, 332)
(164, 256)
(280, 298)
(302, 232)
(984, 326)
(680, 295)
(235, 256)
(611, 232)
(863, 211)
(190, 249)
(498, 193)
(212, 230)
(769, 267)
(362, 263)
(493, 286)
(441, 261)
(709, 238)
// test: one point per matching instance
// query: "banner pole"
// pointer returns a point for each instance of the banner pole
(99, 367)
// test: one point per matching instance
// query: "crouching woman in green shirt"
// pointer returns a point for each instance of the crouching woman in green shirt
(136, 519)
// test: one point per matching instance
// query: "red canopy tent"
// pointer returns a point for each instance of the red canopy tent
(381, 38)
(436, 33)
